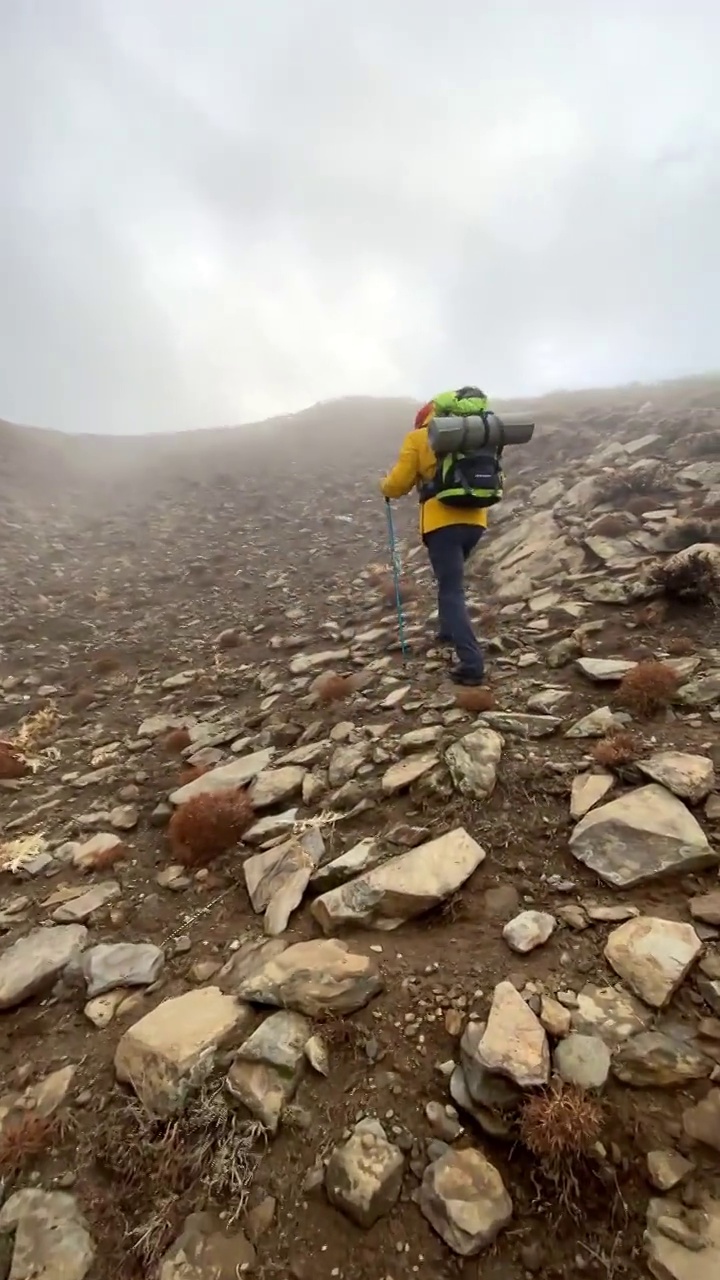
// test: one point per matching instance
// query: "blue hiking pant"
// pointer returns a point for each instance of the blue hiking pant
(449, 549)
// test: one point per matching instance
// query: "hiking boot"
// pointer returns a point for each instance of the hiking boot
(467, 677)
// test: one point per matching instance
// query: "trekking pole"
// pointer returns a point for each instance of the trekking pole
(395, 562)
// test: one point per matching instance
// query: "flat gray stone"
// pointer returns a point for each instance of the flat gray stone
(517, 724)
(402, 887)
(514, 1043)
(362, 857)
(465, 1201)
(605, 669)
(316, 977)
(32, 965)
(528, 930)
(610, 1013)
(473, 761)
(364, 1175)
(268, 1067)
(655, 1060)
(52, 1240)
(653, 956)
(227, 777)
(669, 1223)
(121, 964)
(583, 1061)
(275, 786)
(667, 1169)
(172, 1049)
(688, 776)
(83, 905)
(642, 836)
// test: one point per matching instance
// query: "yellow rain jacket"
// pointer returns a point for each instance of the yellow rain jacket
(416, 463)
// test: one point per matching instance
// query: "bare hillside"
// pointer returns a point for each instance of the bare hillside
(311, 965)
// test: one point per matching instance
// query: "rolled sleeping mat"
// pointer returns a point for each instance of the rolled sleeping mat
(473, 434)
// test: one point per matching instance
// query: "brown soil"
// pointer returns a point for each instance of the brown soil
(103, 604)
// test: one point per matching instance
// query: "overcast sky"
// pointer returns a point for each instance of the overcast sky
(212, 211)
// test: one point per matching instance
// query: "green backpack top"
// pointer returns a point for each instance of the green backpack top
(473, 480)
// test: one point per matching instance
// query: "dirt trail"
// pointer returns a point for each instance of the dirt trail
(170, 613)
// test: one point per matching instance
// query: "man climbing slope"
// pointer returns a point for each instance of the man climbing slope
(450, 532)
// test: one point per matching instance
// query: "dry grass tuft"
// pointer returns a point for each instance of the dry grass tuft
(16, 854)
(384, 582)
(649, 688)
(691, 531)
(475, 699)
(37, 730)
(149, 1174)
(81, 700)
(330, 687)
(560, 1127)
(680, 646)
(640, 503)
(652, 615)
(341, 1036)
(208, 825)
(12, 763)
(105, 665)
(692, 576)
(617, 749)
(190, 773)
(228, 640)
(176, 741)
(612, 525)
(24, 1137)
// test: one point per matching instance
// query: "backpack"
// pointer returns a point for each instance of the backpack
(473, 478)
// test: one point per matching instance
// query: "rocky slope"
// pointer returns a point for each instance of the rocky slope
(311, 966)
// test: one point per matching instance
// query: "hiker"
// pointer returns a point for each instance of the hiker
(450, 532)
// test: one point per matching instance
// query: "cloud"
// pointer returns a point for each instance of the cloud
(215, 213)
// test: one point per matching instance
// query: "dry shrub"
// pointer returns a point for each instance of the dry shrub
(475, 699)
(12, 763)
(611, 487)
(105, 665)
(488, 619)
(208, 825)
(560, 1127)
(228, 640)
(703, 445)
(81, 700)
(106, 859)
(190, 773)
(694, 578)
(330, 687)
(610, 526)
(617, 749)
(342, 1036)
(176, 741)
(25, 1136)
(650, 687)
(680, 646)
(384, 581)
(150, 1174)
(652, 614)
(640, 503)
(691, 530)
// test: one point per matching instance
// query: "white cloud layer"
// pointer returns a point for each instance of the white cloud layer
(211, 213)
